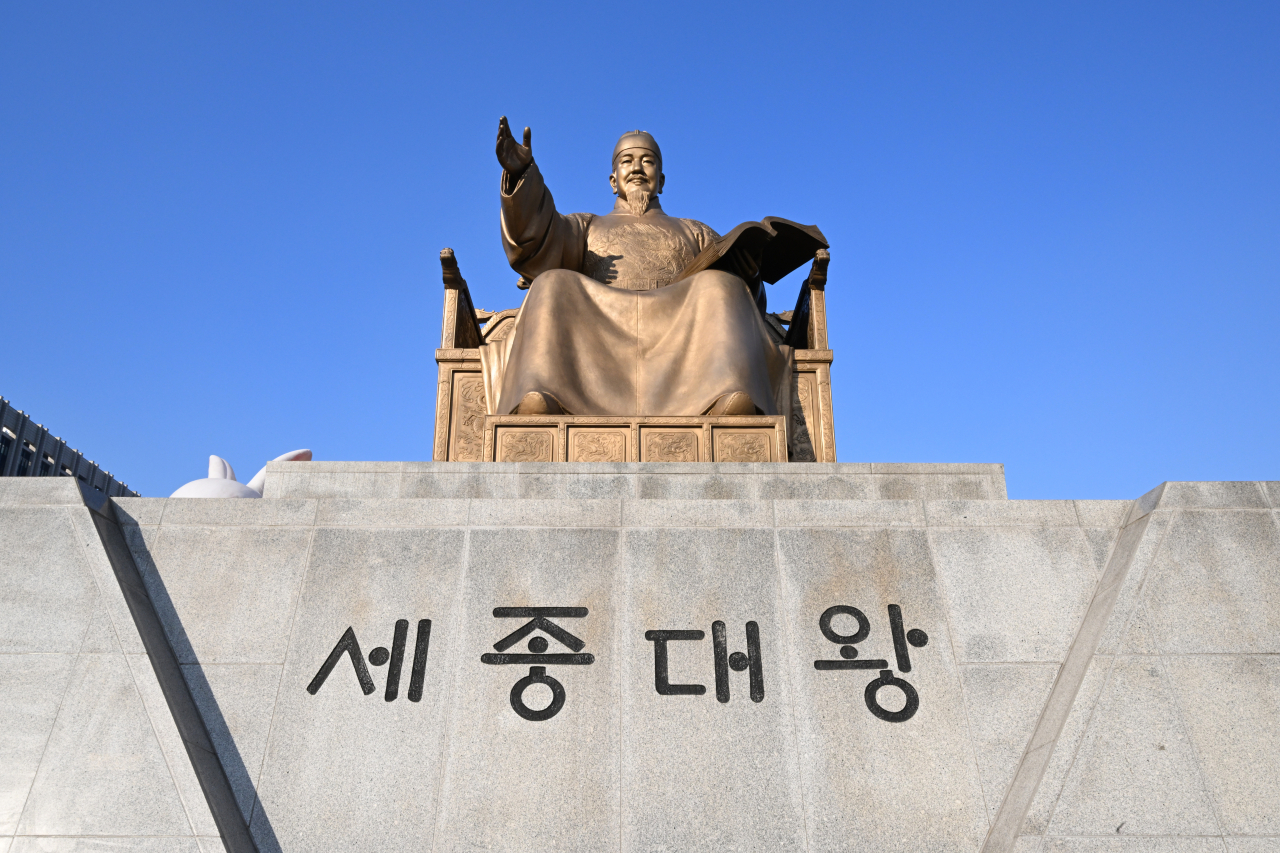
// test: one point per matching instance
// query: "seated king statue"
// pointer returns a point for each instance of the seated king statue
(610, 327)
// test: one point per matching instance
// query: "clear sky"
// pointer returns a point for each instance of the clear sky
(1055, 227)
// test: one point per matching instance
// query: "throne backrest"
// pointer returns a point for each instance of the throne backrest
(460, 396)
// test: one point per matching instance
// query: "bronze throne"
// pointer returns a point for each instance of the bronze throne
(467, 432)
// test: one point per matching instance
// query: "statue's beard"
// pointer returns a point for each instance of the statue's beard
(637, 201)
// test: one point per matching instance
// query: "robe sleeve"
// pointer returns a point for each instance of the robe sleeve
(535, 237)
(703, 233)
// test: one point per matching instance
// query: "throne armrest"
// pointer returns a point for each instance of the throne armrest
(808, 328)
(460, 330)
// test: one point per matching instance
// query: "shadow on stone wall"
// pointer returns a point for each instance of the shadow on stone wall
(212, 750)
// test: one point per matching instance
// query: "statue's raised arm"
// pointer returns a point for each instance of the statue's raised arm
(617, 322)
(535, 237)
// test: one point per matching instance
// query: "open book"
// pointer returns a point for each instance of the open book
(778, 246)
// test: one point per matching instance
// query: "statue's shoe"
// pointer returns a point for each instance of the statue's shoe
(733, 404)
(537, 403)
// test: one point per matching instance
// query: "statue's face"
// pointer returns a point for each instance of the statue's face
(637, 170)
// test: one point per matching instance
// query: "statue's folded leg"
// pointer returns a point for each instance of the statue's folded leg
(603, 351)
(574, 342)
(702, 342)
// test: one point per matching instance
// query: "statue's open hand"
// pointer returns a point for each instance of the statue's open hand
(513, 156)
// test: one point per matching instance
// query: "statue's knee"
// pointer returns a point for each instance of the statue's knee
(719, 282)
(553, 278)
(551, 284)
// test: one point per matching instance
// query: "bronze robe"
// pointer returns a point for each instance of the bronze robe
(605, 330)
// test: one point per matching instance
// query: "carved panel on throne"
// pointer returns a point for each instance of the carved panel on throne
(560, 438)
(671, 444)
(735, 444)
(525, 444)
(599, 444)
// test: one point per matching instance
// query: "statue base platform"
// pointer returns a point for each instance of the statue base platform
(639, 657)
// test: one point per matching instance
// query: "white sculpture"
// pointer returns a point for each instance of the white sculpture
(221, 482)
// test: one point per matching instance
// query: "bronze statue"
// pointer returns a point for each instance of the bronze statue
(616, 322)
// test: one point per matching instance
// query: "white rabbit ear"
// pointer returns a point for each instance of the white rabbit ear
(220, 469)
(259, 481)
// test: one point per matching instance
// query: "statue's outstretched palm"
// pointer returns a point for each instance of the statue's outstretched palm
(513, 156)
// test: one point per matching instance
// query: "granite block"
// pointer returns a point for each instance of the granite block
(343, 512)
(40, 491)
(1146, 504)
(1101, 541)
(1214, 587)
(857, 767)
(103, 772)
(1015, 593)
(700, 486)
(226, 594)
(235, 512)
(575, 469)
(1136, 766)
(1231, 708)
(695, 513)
(101, 637)
(137, 844)
(534, 513)
(459, 486)
(789, 485)
(811, 468)
(355, 484)
(1137, 546)
(111, 628)
(171, 745)
(1109, 514)
(31, 690)
(1222, 495)
(1066, 745)
(824, 513)
(973, 487)
(1138, 638)
(1272, 491)
(989, 513)
(434, 467)
(514, 784)
(137, 511)
(1039, 778)
(1028, 844)
(1270, 844)
(47, 594)
(1004, 702)
(335, 467)
(1133, 844)
(346, 770)
(236, 703)
(699, 773)
(989, 469)
(558, 486)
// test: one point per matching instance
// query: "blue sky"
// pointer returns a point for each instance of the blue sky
(1055, 227)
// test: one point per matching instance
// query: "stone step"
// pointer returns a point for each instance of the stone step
(688, 481)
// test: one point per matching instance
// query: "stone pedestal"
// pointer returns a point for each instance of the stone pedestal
(443, 656)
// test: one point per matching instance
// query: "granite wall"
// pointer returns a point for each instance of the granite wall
(1018, 676)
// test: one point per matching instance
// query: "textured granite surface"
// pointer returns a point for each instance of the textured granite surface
(1085, 675)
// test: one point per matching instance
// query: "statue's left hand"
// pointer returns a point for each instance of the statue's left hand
(513, 156)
